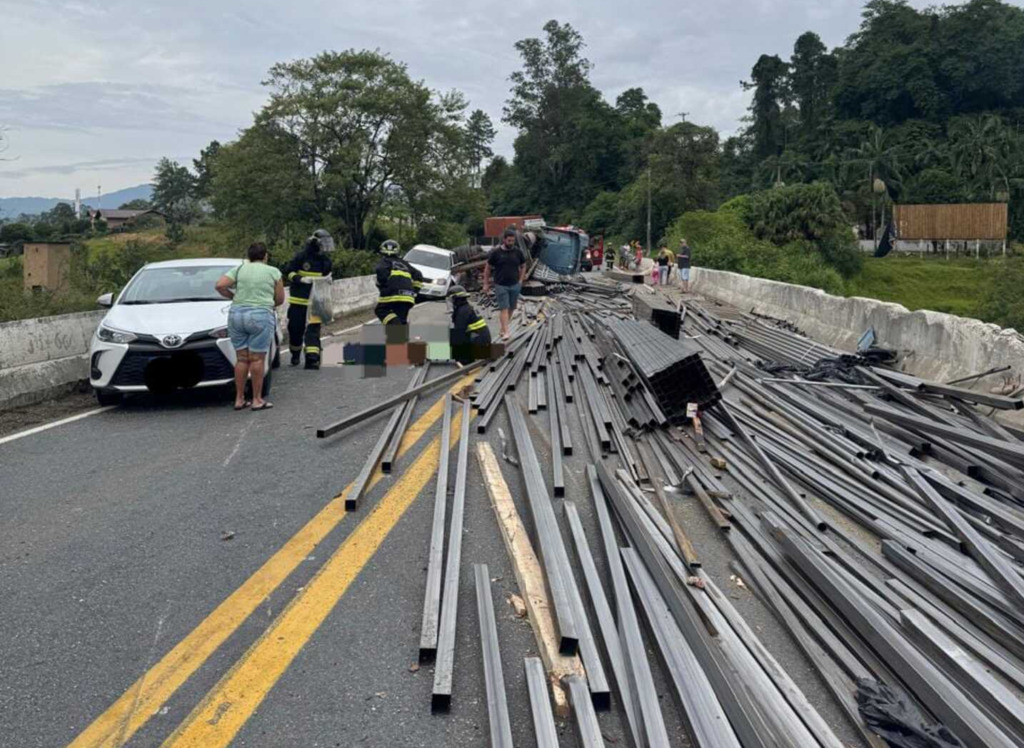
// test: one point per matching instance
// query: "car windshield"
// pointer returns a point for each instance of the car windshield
(166, 285)
(430, 259)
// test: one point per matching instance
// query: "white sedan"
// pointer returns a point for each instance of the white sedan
(166, 330)
(436, 265)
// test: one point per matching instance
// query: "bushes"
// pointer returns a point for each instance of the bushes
(1002, 301)
(722, 240)
(350, 263)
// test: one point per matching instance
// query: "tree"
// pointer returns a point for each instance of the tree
(768, 79)
(204, 170)
(362, 128)
(569, 143)
(640, 117)
(173, 194)
(260, 187)
(136, 204)
(11, 233)
(811, 78)
(480, 134)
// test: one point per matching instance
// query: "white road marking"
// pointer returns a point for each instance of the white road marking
(54, 424)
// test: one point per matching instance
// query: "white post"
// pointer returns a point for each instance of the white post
(1004, 247)
(977, 249)
(947, 249)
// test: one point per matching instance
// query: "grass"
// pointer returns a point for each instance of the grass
(955, 286)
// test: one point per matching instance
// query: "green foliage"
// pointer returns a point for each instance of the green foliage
(1001, 300)
(351, 263)
(954, 286)
(799, 211)
(15, 232)
(364, 132)
(722, 240)
(260, 187)
(136, 204)
(174, 195)
(570, 141)
(443, 234)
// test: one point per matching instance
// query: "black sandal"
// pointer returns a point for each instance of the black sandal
(265, 406)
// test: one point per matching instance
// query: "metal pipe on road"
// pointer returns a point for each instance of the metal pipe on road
(352, 420)
(432, 598)
(497, 703)
(442, 695)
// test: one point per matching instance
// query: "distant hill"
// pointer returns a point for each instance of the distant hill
(12, 207)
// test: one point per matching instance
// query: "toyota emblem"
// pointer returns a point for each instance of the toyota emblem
(171, 341)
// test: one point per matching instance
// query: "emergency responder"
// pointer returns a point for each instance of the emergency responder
(398, 283)
(311, 262)
(470, 337)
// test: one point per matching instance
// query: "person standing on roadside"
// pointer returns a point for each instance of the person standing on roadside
(255, 289)
(664, 261)
(509, 267)
(683, 262)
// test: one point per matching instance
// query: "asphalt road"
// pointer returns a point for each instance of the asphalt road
(128, 618)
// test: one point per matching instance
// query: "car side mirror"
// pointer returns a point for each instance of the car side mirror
(106, 300)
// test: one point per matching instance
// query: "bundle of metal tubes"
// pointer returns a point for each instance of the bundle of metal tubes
(878, 516)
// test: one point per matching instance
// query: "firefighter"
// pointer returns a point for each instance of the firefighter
(470, 337)
(398, 283)
(311, 262)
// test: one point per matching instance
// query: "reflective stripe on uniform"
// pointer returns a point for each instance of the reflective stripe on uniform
(401, 274)
(388, 318)
(402, 299)
(314, 320)
(296, 300)
(417, 284)
(312, 349)
(311, 274)
(295, 348)
(291, 275)
(478, 325)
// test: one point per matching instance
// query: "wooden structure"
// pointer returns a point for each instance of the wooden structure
(46, 265)
(967, 221)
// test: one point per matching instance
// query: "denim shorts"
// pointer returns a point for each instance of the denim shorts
(251, 327)
(684, 274)
(507, 296)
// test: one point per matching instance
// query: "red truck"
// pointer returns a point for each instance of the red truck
(495, 226)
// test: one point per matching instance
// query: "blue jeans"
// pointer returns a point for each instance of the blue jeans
(251, 328)
(507, 296)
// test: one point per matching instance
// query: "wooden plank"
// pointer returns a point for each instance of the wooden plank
(529, 577)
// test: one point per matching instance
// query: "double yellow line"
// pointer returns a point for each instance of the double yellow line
(241, 690)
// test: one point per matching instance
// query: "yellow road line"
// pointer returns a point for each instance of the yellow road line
(223, 711)
(144, 698)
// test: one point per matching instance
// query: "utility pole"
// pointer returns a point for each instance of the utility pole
(648, 208)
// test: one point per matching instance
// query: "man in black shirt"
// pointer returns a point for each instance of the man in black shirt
(509, 265)
(683, 261)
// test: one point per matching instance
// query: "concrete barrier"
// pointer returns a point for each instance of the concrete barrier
(932, 345)
(43, 357)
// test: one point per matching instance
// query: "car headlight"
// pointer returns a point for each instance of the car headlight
(109, 335)
(220, 332)
(440, 281)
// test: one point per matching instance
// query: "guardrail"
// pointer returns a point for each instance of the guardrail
(933, 345)
(42, 357)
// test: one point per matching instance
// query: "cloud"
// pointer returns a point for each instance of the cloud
(103, 83)
(101, 165)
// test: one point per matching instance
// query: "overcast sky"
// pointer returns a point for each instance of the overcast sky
(93, 92)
